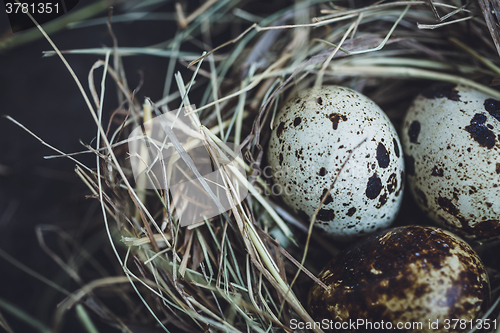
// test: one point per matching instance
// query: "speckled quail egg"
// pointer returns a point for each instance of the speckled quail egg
(451, 139)
(314, 134)
(403, 276)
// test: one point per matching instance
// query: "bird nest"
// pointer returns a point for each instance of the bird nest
(250, 268)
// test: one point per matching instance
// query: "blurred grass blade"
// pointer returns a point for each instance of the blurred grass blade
(84, 318)
(23, 316)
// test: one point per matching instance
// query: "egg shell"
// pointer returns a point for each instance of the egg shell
(404, 275)
(451, 139)
(314, 134)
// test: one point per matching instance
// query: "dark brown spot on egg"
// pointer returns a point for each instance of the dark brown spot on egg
(325, 215)
(382, 156)
(396, 147)
(335, 118)
(281, 158)
(373, 187)
(479, 132)
(410, 165)
(280, 129)
(448, 206)
(392, 183)
(438, 172)
(351, 211)
(421, 290)
(493, 107)
(498, 168)
(382, 200)
(442, 90)
(472, 190)
(319, 100)
(322, 171)
(298, 153)
(328, 197)
(296, 121)
(414, 131)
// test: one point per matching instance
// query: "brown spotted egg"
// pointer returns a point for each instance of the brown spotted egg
(404, 276)
(314, 135)
(451, 139)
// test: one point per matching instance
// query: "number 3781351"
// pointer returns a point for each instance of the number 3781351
(32, 8)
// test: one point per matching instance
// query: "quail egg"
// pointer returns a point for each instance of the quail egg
(408, 279)
(314, 134)
(451, 139)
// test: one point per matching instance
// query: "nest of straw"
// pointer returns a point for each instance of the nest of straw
(250, 269)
